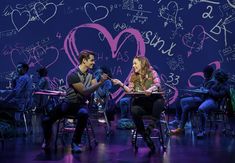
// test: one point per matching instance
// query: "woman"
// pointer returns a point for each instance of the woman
(191, 103)
(216, 94)
(144, 78)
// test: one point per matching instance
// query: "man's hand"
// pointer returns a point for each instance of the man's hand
(117, 82)
(103, 77)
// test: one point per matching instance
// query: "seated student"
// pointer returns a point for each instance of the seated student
(191, 103)
(216, 93)
(125, 121)
(42, 101)
(102, 98)
(125, 106)
(144, 78)
(80, 84)
(20, 96)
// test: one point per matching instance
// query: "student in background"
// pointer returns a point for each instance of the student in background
(191, 103)
(216, 94)
(20, 97)
(42, 101)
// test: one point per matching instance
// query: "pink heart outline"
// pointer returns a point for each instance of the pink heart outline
(45, 7)
(72, 51)
(39, 59)
(217, 65)
(20, 14)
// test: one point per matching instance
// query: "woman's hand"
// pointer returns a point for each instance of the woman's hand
(147, 92)
(118, 82)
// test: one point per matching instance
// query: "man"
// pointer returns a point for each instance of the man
(80, 85)
(20, 96)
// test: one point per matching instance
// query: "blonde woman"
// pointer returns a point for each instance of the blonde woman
(144, 79)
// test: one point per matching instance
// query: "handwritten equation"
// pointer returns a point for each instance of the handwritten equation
(136, 11)
(227, 54)
(226, 10)
(154, 40)
(8, 33)
(194, 2)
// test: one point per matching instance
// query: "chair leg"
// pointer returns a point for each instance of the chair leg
(2, 138)
(25, 123)
(89, 125)
(135, 140)
(197, 121)
(167, 130)
(227, 126)
(107, 124)
(57, 133)
(90, 128)
(161, 137)
(88, 138)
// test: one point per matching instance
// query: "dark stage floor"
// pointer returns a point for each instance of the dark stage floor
(118, 148)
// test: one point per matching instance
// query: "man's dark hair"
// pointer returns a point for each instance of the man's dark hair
(106, 70)
(208, 71)
(221, 76)
(85, 54)
(102, 69)
(25, 66)
(42, 72)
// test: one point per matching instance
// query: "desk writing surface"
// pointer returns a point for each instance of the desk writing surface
(53, 93)
(202, 91)
(143, 93)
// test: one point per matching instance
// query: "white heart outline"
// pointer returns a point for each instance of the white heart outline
(230, 3)
(171, 3)
(25, 57)
(45, 51)
(12, 19)
(89, 3)
(44, 7)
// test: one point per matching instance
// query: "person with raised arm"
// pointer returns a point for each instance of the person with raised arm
(144, 79)
(80, 83)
